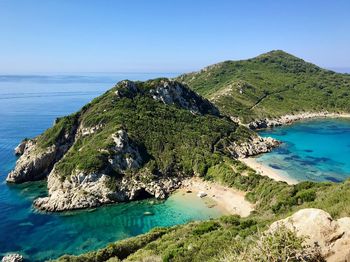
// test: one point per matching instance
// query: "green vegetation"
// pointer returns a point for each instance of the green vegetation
(271, 85)
(56, 134)
(172, 141)
(280, 245)
(231, 238)
(121, 250)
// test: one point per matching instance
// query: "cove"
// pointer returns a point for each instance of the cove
(42, 236)
(313, 150)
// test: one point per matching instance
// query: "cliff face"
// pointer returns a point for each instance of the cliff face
(35, 162)
(137, 140)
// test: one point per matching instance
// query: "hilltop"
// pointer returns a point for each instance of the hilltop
(269, 86)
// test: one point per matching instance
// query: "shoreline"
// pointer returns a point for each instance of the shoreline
(288, 119)
(292, 118)
(265, 170)
(228, 199)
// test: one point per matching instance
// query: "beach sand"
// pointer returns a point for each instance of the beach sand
(267, 171)
(229, 199)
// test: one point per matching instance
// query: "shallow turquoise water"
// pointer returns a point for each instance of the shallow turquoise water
(315, 150)
(29, 105)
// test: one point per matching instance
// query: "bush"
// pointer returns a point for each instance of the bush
(205, 227)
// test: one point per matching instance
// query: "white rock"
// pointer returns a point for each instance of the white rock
(332, 236)
(201, 194)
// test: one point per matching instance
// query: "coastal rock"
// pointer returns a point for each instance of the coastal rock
(319, 228)
(80, 191)
(288, 119)
(86, 191)
(20, 149)
(12, 258)
(256, 145)
(34, 164)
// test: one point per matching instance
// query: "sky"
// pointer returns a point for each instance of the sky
(70, 36)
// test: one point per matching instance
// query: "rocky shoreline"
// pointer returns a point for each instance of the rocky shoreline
(255, 146)
(88, 190)
(291, 118)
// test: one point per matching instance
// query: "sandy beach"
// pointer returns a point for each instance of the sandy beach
(267, 171)
(231, 200)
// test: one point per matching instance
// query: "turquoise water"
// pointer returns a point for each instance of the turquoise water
(315, 150)
(29, 105)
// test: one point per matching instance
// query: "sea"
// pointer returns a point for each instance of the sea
(312, 150)
(29, 104)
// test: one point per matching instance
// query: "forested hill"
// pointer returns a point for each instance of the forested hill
(270, 85)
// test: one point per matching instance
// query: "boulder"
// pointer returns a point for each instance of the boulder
(201, 194)
(320, 229)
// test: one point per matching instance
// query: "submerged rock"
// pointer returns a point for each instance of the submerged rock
(12, 258)
(320, 229)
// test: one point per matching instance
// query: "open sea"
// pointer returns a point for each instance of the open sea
(28, 106)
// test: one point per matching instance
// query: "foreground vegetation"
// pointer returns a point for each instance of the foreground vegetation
(229, 237)
(271, 85)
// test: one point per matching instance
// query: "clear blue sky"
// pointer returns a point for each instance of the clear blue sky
(167, 35)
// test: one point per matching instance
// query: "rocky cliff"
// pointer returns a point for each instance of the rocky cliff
(138, 140)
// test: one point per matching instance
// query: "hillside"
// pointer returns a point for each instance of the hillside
(139, 139)
(232, 238)
(271, 85)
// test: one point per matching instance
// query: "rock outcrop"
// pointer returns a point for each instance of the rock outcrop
(174, 93)
(320, 229)
(19, 150)
(256, 145)
(289, 119)
(84, 190)
(92, 190)
(170, 93)
(36, 162)
(12, 258)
